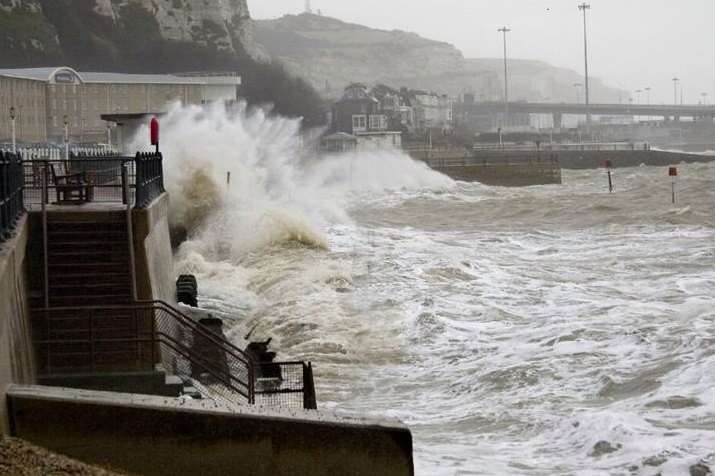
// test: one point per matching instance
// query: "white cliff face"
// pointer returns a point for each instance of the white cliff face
(223, 24)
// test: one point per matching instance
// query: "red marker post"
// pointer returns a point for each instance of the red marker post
(154, 132)
(673, 174)
(609, 166)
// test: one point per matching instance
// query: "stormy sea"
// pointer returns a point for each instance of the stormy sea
(540, 331)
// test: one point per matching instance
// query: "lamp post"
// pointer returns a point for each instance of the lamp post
(584, 7)
(13, 131)
(638, 96)
(705, 98)
(675, 90)
(505, 30)
(65, 120)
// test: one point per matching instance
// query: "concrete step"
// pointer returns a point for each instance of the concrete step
(94, 267)
(82, 278)
(90, 243)
(81, 290)
(86, 227)
(97, 300)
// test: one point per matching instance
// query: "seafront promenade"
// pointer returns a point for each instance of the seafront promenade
(99, 363)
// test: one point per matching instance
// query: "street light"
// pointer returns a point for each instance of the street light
(584, 7)
(65, 120)
(505, 30)
(705, 98)
(638, 96)
(12, 122)
(675, 90)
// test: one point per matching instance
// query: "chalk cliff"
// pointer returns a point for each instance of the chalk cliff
(330, 54)
(126, 34)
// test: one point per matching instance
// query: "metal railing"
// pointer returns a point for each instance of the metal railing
(546, 160)
(135, 338)
(95, 178)
(149, 178)
(548, 147)
(77, 180)
(11, 197)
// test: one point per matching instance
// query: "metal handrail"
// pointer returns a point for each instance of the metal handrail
(238, 355)
(11, 198)
(234, 372)
(164, 339)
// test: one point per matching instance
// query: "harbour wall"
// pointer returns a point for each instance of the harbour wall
(499, 168)
(158, 436)
(593, 159)
(16, 351)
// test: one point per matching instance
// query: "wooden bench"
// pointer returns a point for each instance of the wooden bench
(71, 188)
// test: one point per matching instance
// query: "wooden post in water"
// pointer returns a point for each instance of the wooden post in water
(673, 173)
(609, 166)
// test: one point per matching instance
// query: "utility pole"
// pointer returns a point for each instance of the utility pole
(585, 6)
(505, 30)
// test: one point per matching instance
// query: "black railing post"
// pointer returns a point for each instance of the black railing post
(309, 399)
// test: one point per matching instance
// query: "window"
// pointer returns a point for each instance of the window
(378, 122)
(359, 123)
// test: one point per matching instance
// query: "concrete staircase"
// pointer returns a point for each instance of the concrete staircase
(88, 259)
(88, 264)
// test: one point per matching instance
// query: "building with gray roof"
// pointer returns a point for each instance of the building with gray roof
(44, 99)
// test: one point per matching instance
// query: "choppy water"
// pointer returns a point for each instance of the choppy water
(511, 329)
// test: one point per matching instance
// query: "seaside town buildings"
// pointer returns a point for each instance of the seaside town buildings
(384, 117)
(43, 100)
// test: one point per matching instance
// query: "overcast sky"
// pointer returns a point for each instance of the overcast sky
(633, 44)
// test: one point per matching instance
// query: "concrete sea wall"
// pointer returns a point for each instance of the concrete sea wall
(505, 175)
(152, 252)
(593, 159)
(499, 168)
(157, 436)
(16, 351)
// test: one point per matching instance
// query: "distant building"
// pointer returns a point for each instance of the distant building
(359, 114)
(338, 142)
(470, 118)
(432, 111)
(44, 97)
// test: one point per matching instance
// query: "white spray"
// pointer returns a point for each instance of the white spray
(277, 194)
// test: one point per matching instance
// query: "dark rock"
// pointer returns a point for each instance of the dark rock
(604, 447)
(655, 461)
(700, 469)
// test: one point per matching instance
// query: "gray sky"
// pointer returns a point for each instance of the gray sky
(633, 44)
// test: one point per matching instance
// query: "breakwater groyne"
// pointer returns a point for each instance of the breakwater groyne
(505, 168)
(593, 159)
